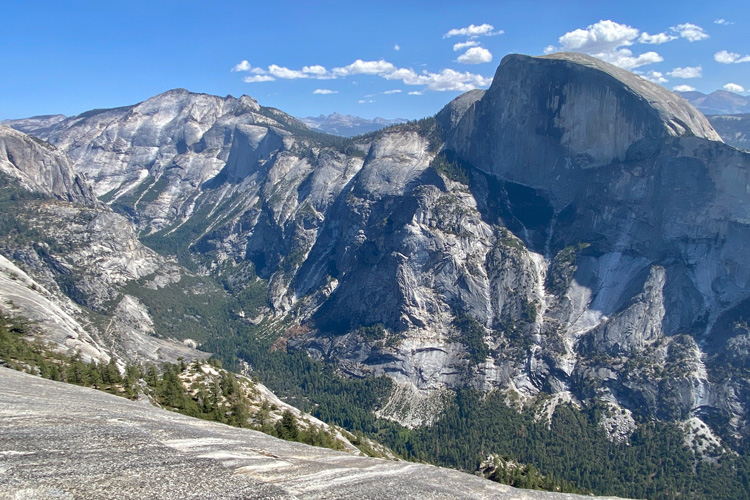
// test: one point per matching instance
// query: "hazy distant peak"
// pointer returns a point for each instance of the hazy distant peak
(719, 102)
(348, 125)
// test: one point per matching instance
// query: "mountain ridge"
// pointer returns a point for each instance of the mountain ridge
(569, 232)
(348, 125)
(718, 102)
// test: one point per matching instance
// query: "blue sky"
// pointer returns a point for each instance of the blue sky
(390, 59)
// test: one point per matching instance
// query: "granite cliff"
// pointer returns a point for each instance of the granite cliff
(574, 230)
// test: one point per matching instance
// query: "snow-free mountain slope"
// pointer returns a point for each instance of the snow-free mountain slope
(574, 232)
(719, 102)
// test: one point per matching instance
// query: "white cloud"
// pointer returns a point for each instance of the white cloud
(733, 87)
(242, 66)
(722, 21)
(473, 31)
(394, 91)
(725, 57)
(365, 101)
(550, 49)
(624, 58)
(360, 67)
(606, 40)
(463, 45)
(258, 78)
(246, 66)
(656, 39)
(396, 48)
(286, 73)
(415, 92)
(602, 37)
(315, 69)
(446, 79)
(692, 32)
(653, 76)
(687, 72)
(683, 88)
(325, 91)
(475, 55)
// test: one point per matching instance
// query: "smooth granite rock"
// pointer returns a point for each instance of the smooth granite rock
(63, 441)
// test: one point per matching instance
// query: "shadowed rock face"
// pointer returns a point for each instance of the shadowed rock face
(734, 129)
(74, 442)
(593, 226)
(544, 119)
(79, 260)
(41, 168)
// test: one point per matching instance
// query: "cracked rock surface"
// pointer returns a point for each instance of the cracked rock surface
(63, 441)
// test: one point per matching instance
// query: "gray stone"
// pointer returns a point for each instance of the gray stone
(63, 441)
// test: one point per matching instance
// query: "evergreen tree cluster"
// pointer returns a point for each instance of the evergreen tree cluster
(220, 397)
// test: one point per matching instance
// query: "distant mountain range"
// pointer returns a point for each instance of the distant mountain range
(719, 102)
(348, 125)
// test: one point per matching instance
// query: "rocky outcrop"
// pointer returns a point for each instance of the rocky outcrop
(574, 230)
(67, 260)
(104, 445)
(41, 168)
(545, 120)
(733, 129)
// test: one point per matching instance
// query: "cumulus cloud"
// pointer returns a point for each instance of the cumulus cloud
(315, 69)
(653, 76)
(656, 39)
(607, 40)
(691, 32)
(258, 78)
(624, 58)
(446, 79)
(602, 37)
(733, 87)
(325, 91)
(449, 79)
(726, 57)
(360, 67)
(242, 66)
(286, 73)
(722, 21)
(415, 92)
(687, 72)
(463, 45)
(246, 66)
(473, 31)
(394, 91)
(475, 55)
(683, 88)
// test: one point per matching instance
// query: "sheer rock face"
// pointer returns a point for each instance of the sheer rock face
(594, 231)
(734, 129)
(78, 263)
(41, 168)
(545, 120)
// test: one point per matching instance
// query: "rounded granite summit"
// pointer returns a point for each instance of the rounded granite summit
(546, 118)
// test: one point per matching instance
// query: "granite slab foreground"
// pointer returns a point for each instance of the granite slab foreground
(61, 441)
